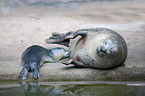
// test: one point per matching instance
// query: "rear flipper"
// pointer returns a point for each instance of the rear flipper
(36, 74)
(35, 69)
(64, 39)
(24, 73)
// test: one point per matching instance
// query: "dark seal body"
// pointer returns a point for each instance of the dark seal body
(34, 56)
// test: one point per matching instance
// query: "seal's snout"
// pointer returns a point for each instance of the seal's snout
(101, 51)
(108, 47)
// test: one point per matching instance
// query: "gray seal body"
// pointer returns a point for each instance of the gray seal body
(34, 56)
(100, 48)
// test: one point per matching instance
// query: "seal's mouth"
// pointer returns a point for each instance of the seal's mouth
(101, 51)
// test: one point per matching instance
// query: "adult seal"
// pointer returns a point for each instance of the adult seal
(96, 48)
(34, 56)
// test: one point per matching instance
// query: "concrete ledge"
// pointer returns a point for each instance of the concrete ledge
(60, 72)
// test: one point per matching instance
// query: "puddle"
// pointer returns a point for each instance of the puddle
(88, 88)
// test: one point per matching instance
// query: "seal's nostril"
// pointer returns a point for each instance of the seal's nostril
(103, 50)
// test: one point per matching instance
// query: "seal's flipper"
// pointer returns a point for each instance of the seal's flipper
(62, 39)
(35, 69)
(81, 33)
(24, 73)
(80, 64)
(67, 61)
(36, 74)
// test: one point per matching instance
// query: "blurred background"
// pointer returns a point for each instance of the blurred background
(7, 6)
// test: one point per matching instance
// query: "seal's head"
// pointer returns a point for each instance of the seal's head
(107, 48)
(60, 53)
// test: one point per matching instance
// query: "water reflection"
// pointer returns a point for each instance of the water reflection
(47, 89)
(34, 89)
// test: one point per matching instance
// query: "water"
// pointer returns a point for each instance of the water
(72, 89)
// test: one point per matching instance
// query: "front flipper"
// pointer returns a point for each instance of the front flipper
(62, 39)
(67, 61)
(24, 73)
(80, 64)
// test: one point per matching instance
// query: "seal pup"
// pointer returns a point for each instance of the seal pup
(34, 56)
(100, 48)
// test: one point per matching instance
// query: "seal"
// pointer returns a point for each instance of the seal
(34, 56)
(100, 48)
